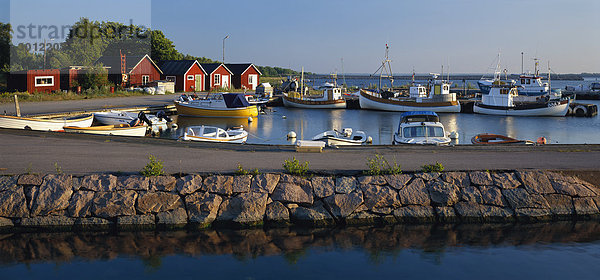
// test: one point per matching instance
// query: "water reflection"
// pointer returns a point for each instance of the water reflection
(379, 243)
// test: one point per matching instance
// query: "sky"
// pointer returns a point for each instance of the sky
(463, 35)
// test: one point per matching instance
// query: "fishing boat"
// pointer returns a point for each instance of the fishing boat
(340, 138)
(422, 128)
(215, 134)
(44, 124)
(437, 99)
(115, 130)
(232, 105)
(505, 100)
(496, 139)
(331, 99)
(115, 117)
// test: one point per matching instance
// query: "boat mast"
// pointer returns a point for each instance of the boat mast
(302, 82)
(344, 73)
(522, 70)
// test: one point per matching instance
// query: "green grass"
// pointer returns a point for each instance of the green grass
(294, 167)
(153, 168)
(432, 168)
(8, 97)
(379, 165)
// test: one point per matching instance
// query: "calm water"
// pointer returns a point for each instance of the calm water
(542, 251)
(273, 127)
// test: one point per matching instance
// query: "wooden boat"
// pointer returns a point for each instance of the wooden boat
(504, 100)
(331, 99)
(215, 134)
(340, 138)
(421, 128)
(44, 124)
(496, 139)
(232, 105)
(116, 130)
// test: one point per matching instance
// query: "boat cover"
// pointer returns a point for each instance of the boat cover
(235, 100)
(419, 116)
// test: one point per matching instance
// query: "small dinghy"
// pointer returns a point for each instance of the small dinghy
(215, 134)
(115, 117)
(115, 130)
(340, 138)
(496, 139)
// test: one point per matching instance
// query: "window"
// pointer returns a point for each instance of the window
(145, 79)
(47, 81)
(171, 78)
(435, 131)
(251, 79)
(415, 131)
(217, 79)
(190, 77)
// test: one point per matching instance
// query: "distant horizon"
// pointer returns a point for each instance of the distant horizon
(464, 35)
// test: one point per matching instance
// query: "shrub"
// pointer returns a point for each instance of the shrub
(242, 171)
(432, 168)
(379, 165)
(294, 167)
(153, 168)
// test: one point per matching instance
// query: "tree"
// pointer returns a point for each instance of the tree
(5, 41)
(163, 48)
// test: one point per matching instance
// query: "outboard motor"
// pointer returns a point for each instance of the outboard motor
(163, 116)
(142, 117)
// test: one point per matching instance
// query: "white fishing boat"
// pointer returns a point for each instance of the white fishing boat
(115, 117)
(505, 100)
(340, 138)
(216, 105)
(420, 128)
(44, 124)
(215, 134)
(115, 130)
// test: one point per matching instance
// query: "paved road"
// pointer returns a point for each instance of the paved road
(82, 154)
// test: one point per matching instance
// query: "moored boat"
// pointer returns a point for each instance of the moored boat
(504, 100)
(115, 117)
(341, 138)
(422, 128)
(204, 133)
(232, 105)
(115, 130)
(331, 99)
(44, 124)
(497, 139)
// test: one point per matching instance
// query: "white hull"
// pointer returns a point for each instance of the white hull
(556, 111)
(437, 141)
(340, 142)
(43, 124)
(366, 103)
(237, 140)
(288, 103)
(117, 118)
(136, 131)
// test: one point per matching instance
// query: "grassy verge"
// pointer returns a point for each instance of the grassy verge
(8, 97)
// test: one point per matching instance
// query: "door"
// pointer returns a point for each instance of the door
(225, 81)
(198, 85)
(253, 81)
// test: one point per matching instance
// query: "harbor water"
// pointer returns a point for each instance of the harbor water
(562, 250)
(271, 128)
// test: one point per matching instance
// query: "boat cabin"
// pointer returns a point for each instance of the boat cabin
(418, 91)
(422, 127)
(419, 116)
(439, 91)
(332, 93)
(501, 96)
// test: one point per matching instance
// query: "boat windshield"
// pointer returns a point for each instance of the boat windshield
(423, 131)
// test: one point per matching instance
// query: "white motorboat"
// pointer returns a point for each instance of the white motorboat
(421, 128)
(255, 100)
(505, 100)
(115, 130)
(340, 138)
(115, 117)
(44, 124)
(215, 134)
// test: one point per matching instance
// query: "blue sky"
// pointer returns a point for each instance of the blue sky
(424, 34)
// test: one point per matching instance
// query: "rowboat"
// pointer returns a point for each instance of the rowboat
(44, 124)
(232, 105)
(340, 138)
(116, 130)
(204, 133)
(422, 128)
(496, 139)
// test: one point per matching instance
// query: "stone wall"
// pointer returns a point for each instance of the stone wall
(31, 202)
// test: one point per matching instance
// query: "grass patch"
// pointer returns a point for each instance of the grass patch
(432, 168)
(8, 97)
(294, 167)
(241, 171)
(153, 168)
(379, 165)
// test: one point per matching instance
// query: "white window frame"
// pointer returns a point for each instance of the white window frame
(37, 84)
(145, 79)
(191, 78)
(217, 79)
(171, 78)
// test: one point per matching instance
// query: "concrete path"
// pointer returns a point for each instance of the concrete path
(38, 152)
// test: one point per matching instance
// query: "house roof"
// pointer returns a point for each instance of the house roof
(177, 67)
(131, 61)
(240, 68)
(212, 67)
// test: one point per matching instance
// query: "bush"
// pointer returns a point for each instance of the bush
(432, 168)
(153, 168)
(379, 165)
(242, 171)
(294, 167)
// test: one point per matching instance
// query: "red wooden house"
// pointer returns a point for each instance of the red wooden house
(219, 76)
(47, 80)
(245, 75)
(188, 75)
(138, 70)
